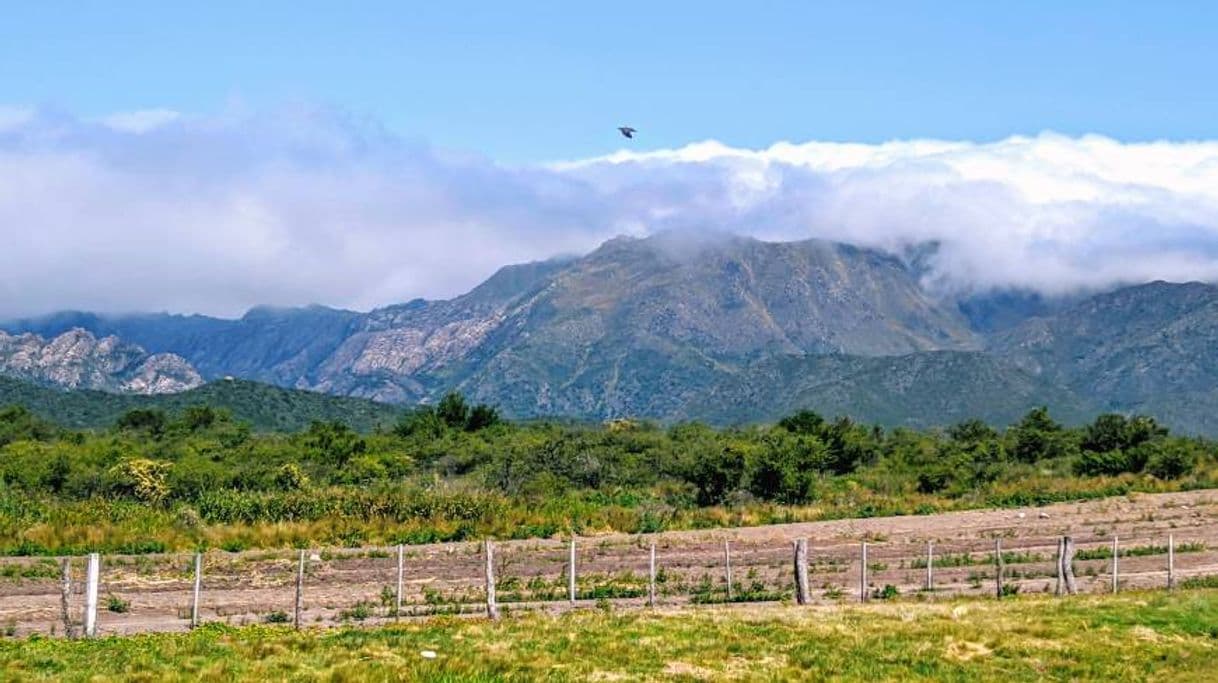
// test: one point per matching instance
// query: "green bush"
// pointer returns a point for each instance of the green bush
(116, 604)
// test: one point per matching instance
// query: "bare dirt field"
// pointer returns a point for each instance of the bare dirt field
(154, 592)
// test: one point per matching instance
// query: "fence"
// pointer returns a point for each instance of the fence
(128, 594)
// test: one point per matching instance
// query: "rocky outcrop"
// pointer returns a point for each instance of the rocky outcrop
(78, 360)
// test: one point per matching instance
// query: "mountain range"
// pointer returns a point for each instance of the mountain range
(726, 329)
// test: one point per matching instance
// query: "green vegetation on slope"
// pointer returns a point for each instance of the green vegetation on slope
(1134, 636)
(198, 478)
(265, 408)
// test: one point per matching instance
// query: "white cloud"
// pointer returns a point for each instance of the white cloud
(13, 117)
(159, 211)
(141, 121)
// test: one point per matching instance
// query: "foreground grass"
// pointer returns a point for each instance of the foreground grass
(1136, 636)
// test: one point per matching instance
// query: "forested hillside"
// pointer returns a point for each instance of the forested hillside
(262, 407)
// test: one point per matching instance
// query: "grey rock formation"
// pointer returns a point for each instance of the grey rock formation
(78, 360)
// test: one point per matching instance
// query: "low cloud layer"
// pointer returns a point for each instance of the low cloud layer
(158, 210)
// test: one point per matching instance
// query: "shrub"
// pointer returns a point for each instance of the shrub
(1097, 463)
(117, 605)
(290, 477)
(142, 419)
(888, 592)
(361, 611)
(141, 478)
(1171, 461)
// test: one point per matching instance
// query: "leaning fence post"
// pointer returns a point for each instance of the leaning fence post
(651, 577)
(65, 596)
(92, 575)
(802, 596)
(863, 575)
(1068, 565)
(1115, 566)
(1171, 561)
(300, 575)
(998, 568)
(397, 596)
(727, 568)
(492, 609)
(194, 602)
(571, 593)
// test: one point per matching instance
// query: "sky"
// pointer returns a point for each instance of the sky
(208, 157)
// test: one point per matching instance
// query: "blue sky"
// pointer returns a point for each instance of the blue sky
(209, 157)
(521, 81)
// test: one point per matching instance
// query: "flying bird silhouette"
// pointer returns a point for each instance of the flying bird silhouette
(627, 131)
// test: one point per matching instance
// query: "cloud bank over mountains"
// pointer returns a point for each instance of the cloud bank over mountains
(159, 210)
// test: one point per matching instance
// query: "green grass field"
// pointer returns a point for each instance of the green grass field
(1136, 636)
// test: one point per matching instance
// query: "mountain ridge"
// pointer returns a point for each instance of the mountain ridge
(671, 327)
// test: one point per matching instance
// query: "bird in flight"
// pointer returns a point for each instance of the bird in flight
(627, 131)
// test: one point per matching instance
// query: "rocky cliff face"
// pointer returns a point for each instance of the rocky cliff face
(78, 360)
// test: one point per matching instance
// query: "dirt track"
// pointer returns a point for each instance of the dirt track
(350, 585)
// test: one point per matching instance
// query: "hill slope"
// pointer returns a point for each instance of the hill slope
(265, 407)
(1151, 348)
(916, 390)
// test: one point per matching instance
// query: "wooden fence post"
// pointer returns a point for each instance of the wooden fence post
(1171, 561)
(65, 596)
(1061, 574)
(571, 592)
(194, 602)
(727, 568)
(92, 576)
(492, 609)
(863, 575)
(397, 596)
(1115, 566)
(1068, 565)
(300, 575)
(998, 568)
(929, 565)
(651, 577)
(802, 595)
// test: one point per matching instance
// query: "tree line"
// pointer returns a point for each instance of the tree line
(458, 466)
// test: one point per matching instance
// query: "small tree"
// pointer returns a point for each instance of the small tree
(334, 442)
(481, 417)
(1038, 437)
(199, 418)
(453, 410)
(144, 419)
(802, 422)
(1172, 461)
